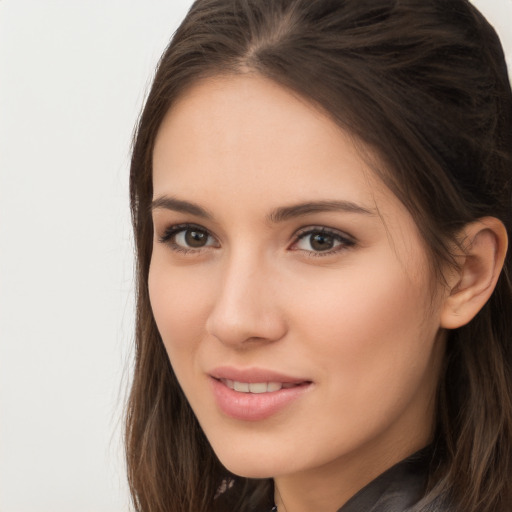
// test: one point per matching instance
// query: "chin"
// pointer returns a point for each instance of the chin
(255, 464)
(247, 470)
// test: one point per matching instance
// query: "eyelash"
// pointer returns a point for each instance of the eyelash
(345, 241)
(172, 231)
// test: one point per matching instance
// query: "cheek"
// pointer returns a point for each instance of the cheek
(179, 300)
(369, 320)
(373, 349)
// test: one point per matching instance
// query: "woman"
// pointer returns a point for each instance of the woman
(321, 198)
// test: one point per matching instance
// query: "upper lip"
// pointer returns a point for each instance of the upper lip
(253, 375)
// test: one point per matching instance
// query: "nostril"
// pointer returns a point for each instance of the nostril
(245, 325)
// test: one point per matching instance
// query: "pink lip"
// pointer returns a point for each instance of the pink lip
(254, 406)
(254, 375)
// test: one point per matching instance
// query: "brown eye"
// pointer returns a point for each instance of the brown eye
(195, 238)
(321, 241)
(188, 238)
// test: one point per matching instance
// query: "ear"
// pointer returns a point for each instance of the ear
(484, 243)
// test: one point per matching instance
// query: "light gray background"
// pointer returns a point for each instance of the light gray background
(73, 76)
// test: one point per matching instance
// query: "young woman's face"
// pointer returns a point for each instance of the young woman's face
(290, 287)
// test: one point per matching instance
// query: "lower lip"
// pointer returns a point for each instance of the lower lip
(254, 406)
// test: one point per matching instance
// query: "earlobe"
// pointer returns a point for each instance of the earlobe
(485, 245)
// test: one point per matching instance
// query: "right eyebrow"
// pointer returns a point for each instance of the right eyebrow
(178, 205)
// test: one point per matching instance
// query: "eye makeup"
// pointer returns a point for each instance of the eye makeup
(312, 240)
(322, 241)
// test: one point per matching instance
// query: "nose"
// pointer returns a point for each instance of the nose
(246, 308)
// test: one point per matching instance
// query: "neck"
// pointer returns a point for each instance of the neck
(329, 487)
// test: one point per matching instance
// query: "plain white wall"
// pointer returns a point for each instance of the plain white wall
(73, 76)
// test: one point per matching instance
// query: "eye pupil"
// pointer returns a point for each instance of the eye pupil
(321, 242)
(195, 238)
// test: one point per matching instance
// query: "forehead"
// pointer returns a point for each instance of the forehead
(245, 130)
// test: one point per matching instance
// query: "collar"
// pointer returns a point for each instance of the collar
(396, 490)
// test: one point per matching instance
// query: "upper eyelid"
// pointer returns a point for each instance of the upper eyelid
(301, 231)
(183, 226)
(174, 229)
(164, 225)
(323, 229)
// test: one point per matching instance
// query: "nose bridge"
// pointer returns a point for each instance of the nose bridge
(245, 305)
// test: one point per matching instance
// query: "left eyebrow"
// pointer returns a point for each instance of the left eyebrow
(298, 210)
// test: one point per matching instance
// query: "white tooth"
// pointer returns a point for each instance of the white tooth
(258, 387)
(241, 386)
(229, 384)
(274, 386)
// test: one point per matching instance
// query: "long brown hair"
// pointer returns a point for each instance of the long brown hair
(424, 84)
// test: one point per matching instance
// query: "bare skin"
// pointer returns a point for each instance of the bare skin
(277, 250)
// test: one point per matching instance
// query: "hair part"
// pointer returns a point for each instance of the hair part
(423, 84)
